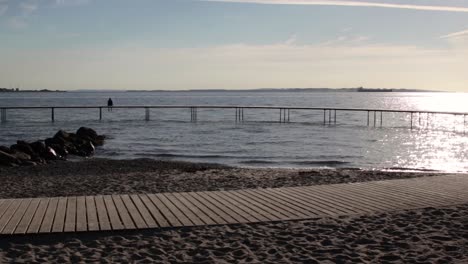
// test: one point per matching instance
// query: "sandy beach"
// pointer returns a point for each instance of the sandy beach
(430, 235)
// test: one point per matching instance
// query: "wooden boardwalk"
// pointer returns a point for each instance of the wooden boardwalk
(140, 211)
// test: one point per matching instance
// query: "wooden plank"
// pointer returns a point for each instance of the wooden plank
(70, 216)
(369, 197)
(250, 205)
(408, 196)
(428, 193)
(9, 212)
(81, 219)
(314, 207)
(49, 216)
(224, 212)
(91, 214)
(175, 211)
(362, 199)
(123, 213)
(220, 217)
(17, 216)
(233, 211)
(114, 218)
(59, 220)
(3, 206)
(251, 215)
(9, 207)
(184, 209)
(345, 205)
(38, 216)
(322, 199)
(133, 211)
(149, 220)
(155, 213)
(103, 218)
(386, 196)
(203, 215)
(299, 209)
(206, 214)
(274, 210)
(290, 208)
(171, 218)
(27, 217)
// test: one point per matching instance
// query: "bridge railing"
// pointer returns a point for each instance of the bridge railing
(329, 113)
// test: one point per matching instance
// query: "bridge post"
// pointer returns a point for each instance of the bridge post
(381, 118)
(375, 117)
(335, 118)
(329, 116)
(3, 115)
(100, 113)
(411, 120)
(368, 118)
(324, 116)
(147, 114)
(52, 114)
(193, 117)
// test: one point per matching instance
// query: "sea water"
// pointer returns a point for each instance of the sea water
(435, 142)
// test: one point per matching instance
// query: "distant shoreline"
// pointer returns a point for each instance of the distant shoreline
(16, 90)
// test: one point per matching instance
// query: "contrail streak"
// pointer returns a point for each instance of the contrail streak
(348, 3)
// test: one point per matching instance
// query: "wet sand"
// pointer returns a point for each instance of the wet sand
(101, 176)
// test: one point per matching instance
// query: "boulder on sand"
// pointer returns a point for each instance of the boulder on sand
(87, 133)
(39, 147)
(21, 156)
(22, 146)
(6, 149)
(58, 147)
(8, 159)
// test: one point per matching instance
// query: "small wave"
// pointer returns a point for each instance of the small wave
(169, 155)
(256, 162)
(410, 169)
(321, 162)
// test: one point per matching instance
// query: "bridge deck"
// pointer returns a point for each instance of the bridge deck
(140, 211)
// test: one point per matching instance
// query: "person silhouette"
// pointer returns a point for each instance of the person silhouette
(110, 104)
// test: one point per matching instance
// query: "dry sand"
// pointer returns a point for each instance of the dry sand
(431, 235)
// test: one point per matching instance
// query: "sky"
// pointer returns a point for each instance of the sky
(233, 44)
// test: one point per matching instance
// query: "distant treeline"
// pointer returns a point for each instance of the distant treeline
(359, 89)
(17, 90)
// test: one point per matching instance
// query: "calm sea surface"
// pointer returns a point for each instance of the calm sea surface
(436, 142)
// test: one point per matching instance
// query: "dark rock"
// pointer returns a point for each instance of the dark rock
(28, 163)
(6, 149)
(55, 141)
(99, 141)
(60, 150)
(86, 133)
(62, 135)
(39, 147)
(22, 146)
(7, 159)
(87, 149)
(51, 154)
(22, 156)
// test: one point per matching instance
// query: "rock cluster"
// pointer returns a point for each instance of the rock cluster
(82, 143)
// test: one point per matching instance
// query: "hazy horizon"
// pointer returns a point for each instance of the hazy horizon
(233, 44)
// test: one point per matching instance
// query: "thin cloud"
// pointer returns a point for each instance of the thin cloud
(455, 34)
(3, 9)
(348, 3)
